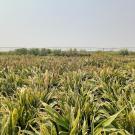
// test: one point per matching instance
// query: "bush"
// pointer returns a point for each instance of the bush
(57, 52)
(124, 52)
(43, 52)
(34, 51)
(21, 51)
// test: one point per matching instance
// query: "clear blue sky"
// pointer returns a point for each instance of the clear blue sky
(67, 23)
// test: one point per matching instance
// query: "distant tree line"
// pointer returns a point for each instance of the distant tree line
(49, 52)
(59, 52)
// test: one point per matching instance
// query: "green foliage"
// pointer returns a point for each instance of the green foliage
(22, 51)
(34, 51)
(124, 52)
(47, 52)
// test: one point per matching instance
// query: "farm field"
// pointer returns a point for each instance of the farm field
(59, 95)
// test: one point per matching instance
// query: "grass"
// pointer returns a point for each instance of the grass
(89, 95)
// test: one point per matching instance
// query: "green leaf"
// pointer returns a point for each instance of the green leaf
(56, 117)
(75, 123)
(106, 122)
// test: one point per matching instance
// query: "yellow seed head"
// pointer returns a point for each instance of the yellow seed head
(131, 117)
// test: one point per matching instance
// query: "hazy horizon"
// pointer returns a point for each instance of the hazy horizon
(67, 23)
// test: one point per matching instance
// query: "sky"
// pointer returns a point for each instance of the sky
(67, 23)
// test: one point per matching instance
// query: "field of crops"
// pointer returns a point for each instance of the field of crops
(58, 95)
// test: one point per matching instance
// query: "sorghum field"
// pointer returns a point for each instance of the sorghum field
(59, 95)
